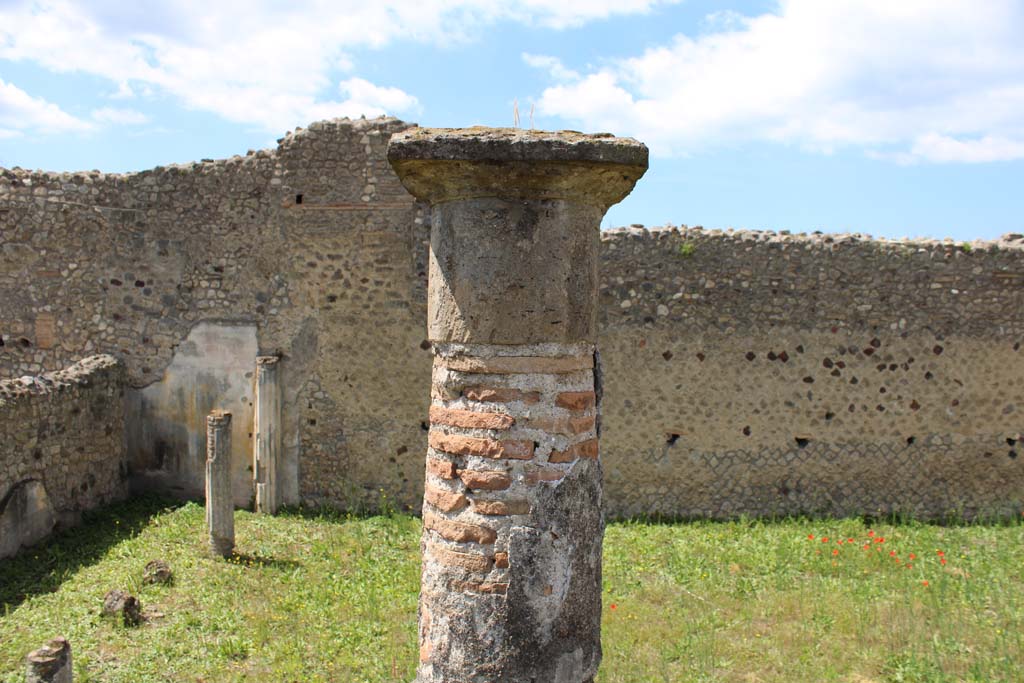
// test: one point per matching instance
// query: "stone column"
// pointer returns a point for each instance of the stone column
(50, 664)
(220, 505)
(267, 430)
(511, 580)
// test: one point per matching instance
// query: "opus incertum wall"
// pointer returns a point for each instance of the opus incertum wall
(62, 448)
(745, 372)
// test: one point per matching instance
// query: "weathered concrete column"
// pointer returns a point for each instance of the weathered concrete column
(220, 506)
(511, 582)
(267, 430)
(50, 664)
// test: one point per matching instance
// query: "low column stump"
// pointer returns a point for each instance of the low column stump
(513, 525)
(220, 506)
(50, 664)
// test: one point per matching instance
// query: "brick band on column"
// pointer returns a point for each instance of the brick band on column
(511, 582)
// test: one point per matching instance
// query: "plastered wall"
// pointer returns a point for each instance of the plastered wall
(752, 373)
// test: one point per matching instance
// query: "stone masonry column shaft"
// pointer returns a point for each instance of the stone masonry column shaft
(511, 580)
(267, 430)
(220, 506)
(50, 664)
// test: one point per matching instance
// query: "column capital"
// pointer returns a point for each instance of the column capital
(445, 164)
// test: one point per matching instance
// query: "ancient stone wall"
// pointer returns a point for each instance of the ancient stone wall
(62, 448)
(312, 251)
(881, 375)
(761, 373)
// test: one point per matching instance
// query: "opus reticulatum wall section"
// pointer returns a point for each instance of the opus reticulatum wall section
(744, 372)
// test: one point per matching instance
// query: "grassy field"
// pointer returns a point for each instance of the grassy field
(324, 598)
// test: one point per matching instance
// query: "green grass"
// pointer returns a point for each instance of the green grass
(330, 598)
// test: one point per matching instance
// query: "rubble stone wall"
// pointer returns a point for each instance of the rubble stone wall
(753, 373)
(768, 374)
(62, 448)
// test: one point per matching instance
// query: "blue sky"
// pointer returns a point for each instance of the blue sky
(891, 118)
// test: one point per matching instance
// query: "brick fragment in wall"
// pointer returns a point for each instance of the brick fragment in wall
(537, 474)
(473, 562)
(501, 560)
(485, 481)
(576, 400)
(441, 468)
(480, 587)
(458, 444)
(584, 449)
(517, 365)
(448, 501)
(459, 532)
(501, 507)
(566, 426)
(500, 395)
(469, 419)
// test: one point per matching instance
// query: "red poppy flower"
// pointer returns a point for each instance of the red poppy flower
(925, 582)
(836, 551)
(810, 537)
(612, 606)
(913, 556)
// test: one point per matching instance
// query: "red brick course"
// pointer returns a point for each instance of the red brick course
(480, 587)
(516, 365)
(460, 532)
(485, 481)
(447, 501)
(501, 507)
(473, 562)
(538, 474)
(500, 395)
(576, 400)
(469, 419)
(568, 426)
(584, 449)
(487, 448)
(441, 468)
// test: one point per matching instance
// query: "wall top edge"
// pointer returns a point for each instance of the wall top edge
(388, 124)
(76, 374)
(825, 240)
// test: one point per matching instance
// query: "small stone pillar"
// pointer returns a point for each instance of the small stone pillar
(513, 525)
(267, 430)
(220, 506)
(50, 664)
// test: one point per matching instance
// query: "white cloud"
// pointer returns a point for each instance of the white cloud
(370, 99)
(943, 148)
(124, 92)
(21, 112)
(916, 80)
(554, 66)
(122, 117)
(259, 61)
